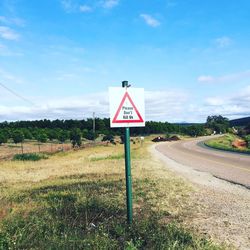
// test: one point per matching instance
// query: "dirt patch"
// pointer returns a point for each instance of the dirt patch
(240, 144)
(223, 208)
(161, 139)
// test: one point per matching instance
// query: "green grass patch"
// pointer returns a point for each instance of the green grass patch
(109, 157)
(30, 157)
(14, 146)
(225, 143)
(78, 214)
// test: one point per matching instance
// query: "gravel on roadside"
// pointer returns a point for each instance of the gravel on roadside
(222, 208)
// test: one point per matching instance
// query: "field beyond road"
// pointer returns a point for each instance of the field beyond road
(76, 200)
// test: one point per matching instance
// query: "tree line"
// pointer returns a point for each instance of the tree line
(75, 130)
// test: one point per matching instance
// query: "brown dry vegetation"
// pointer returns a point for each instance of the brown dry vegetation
(7, 150)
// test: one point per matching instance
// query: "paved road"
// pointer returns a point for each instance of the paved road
(232, 167)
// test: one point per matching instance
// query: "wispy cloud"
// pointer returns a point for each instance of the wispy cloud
(149, 20)
(224, 79)
(15, 21)
(68, 5)
(85, 8)
(71, 6)
(8, 34)
(223, 42)
(6, 76)
(108, 4)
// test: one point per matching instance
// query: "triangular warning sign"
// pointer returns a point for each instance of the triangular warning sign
(127, 111)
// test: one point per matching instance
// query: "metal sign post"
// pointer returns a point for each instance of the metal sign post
(127, 110)
(128, 170)
(128, 176)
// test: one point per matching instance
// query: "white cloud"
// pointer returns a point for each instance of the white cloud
(149, 20)
(223, 42)
(160, 105)
(206, 79)
(166, 105)
(234, 78)
(85, 8)
(233, 106)
(8, 34)
(110, 3)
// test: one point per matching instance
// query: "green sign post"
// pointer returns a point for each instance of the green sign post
(128, 170)
(127, 110)
(128, 176)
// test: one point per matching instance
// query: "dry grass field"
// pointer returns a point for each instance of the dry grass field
(7, 150)
(76, 200)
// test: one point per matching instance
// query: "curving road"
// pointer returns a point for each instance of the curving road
(233, 167)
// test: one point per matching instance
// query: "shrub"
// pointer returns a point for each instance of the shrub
(108, 138)
(29, 157)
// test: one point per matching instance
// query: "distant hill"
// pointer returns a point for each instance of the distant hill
(240, 122)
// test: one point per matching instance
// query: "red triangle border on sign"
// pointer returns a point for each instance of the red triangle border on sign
(120, 107)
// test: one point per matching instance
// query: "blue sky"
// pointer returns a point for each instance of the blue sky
(191, 56)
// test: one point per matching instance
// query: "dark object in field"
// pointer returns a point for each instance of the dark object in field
(172, 138)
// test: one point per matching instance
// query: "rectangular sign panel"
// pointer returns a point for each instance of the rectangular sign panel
(127, 108)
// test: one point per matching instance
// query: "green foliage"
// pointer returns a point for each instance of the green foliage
(42, 137)
(27, 134)
(62, 136)
(76, 137)
(195, 130)
(247, 138)
(89, 135)
(3, 137)
(29, 157)
(52, 134)
(60, 129)
(18, 136)
(217, 123)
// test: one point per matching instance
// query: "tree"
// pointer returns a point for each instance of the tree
(3, 137)
(217, 123)
(89, 135)
(76, 137)
(18, 137)
(42, 138)
(62, 136)
(52, 134)
(27, 134)
(195, 130)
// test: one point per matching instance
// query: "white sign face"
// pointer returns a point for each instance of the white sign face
(127, 108)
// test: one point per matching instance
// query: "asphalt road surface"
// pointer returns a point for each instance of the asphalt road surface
(233, 167)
